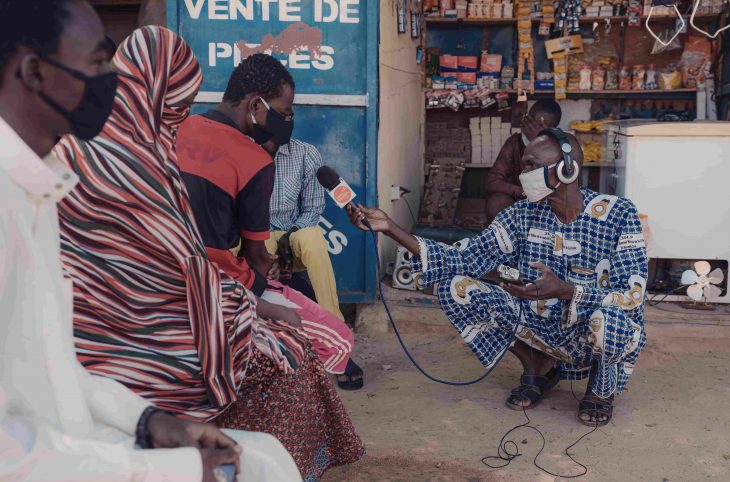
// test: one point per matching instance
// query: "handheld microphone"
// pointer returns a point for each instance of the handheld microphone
(340, 192)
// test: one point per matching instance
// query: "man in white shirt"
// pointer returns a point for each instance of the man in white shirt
(57, 421)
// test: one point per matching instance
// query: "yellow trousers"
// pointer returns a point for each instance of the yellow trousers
(309, 249)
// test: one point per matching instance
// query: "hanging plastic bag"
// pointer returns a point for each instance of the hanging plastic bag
(666, 36)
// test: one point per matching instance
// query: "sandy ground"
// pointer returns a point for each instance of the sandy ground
(672, 424)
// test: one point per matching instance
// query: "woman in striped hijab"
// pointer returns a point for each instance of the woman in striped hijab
(150, 309)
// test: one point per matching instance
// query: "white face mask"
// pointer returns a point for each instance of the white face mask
(536, 185)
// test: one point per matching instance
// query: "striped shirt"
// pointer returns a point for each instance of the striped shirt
(298, 199)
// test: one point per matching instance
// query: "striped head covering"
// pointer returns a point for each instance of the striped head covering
(150, 309)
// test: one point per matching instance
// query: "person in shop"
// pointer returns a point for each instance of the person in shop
(297, 204)
(582, 258)
(151, 309)
(502, 185)
(57, 420)
(230, 177)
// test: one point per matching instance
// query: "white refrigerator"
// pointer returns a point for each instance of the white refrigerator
(678, 175)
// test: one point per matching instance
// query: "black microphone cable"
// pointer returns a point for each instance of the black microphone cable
(400, 339)
(504, 453)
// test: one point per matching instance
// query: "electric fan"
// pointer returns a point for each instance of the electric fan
(702, 283)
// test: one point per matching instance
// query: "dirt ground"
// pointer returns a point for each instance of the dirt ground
(672, 424)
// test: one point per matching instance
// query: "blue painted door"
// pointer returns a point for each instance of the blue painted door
(331, 49)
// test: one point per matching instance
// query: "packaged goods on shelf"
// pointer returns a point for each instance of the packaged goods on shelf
(448, 63)
(670, 79)
(611, 77)
(467, 63)
(695, 61)
(624, 78)
(488, 134)
(585, 78)
(651, 82)
(492, 9)
(598, 78)
(469, 78)
(638, 77)
(490, 62)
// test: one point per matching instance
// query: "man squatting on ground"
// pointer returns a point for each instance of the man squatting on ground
(582, 312)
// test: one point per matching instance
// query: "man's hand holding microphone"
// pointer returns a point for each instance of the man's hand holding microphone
(364, 218)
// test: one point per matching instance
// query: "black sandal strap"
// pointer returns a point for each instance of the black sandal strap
(353, 377)
(596, 406)
(533, 387)
(593, 406)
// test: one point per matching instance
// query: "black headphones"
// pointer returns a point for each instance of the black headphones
(567, 169)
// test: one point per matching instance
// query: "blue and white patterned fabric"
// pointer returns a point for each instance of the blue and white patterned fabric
(602, 253)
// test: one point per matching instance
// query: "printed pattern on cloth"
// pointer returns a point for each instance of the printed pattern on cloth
(302, 410)
(150, 309)
(600, 253)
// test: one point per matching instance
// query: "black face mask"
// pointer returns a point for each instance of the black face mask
(88, 119)
(277, 128)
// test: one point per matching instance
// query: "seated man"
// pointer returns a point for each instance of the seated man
(57, 420)
(297, 203)
(230, 177)
(581, 313)
(503, 186)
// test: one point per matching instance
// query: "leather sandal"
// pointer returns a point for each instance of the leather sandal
(532, 388)
(593, 406)
(352, 379)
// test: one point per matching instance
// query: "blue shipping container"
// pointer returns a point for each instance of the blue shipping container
(331, 49)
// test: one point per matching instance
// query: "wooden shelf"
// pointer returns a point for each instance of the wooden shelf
(585, 92)
(654, 18)
(593, 93)
(509, 21)
(624, 93)
(599, 164)
(475, 21)
(649, 91)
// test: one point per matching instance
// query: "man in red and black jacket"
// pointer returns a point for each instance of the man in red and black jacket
(230, 179)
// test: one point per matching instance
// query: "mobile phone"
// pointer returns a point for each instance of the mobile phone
(510, 275)
(226, 473)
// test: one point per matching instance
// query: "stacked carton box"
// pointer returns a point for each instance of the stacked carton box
(486, 142)
(476, 140)
(488, 135)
